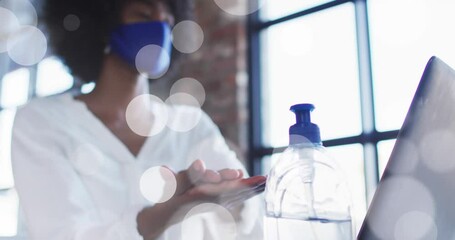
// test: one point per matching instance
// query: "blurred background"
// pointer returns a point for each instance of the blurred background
(359, 62)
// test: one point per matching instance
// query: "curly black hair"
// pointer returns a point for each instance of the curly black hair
(82, 50)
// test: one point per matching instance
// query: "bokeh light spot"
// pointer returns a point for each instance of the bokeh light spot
(400, 196)
(239, 7)
(190, 86)
(186, 114)
(146, 115)
(416, 225)
(23, 9)
(210, 215)
(152, 61)
(9, 25)
(187, 36)
(27, 46)
(158, 184)
(71, 22)
(437, 156)
(407, 151)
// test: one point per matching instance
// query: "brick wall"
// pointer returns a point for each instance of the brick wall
(220, 65)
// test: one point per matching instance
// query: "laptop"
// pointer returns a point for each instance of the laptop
(415, 198)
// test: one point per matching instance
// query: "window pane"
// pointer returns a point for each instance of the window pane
(311, 59)
(273, 9)
(384, 150)
(349, 158)
(403, 38)
(15, 88)
(6, 124)
(8, 213)
(52, 77)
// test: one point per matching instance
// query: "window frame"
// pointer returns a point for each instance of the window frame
(368, 138)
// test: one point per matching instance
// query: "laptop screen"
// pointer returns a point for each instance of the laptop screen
(416, 195)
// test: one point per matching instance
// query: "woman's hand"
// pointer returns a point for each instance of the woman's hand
(197, 185)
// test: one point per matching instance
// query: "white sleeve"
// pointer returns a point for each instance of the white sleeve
(55, 201)
(211, 147)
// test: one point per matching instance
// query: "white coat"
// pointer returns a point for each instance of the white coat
(76, 180)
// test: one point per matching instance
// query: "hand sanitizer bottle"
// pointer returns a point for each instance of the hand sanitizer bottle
(306, 195)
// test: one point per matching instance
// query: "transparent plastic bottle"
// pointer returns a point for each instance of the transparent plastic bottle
(306, 195)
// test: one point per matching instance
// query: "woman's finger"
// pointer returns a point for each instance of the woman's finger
(196, 171)
(211, 176)
(255, 180)
(230, 174)
(188, 178)
(232, 187)
(241, 173)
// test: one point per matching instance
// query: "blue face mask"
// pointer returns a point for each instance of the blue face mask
(127, 41)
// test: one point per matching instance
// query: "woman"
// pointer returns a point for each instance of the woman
(78, 164)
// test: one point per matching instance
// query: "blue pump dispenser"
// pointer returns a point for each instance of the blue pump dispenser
(304, 127)
(306, 196)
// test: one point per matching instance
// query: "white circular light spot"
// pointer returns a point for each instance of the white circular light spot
(71, 22)
(187, 36)
(295, 138)
(146, 115)
(152, 61)
(437, 156)
(27, 46)
(23, 9)
(214, 216)
(408, 153)
(87, 159)
(158, 184)
(186, 113)
(9, 25)
(416, 225)
(400, 195)
(239, 7)
(190, 86)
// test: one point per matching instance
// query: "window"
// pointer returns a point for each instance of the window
(52, 77)
(401, 47)
(6, 123)
(16, 88)
(384, 151)
(317, 66)
(358, 61)
(276, 9)
(9, 213)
